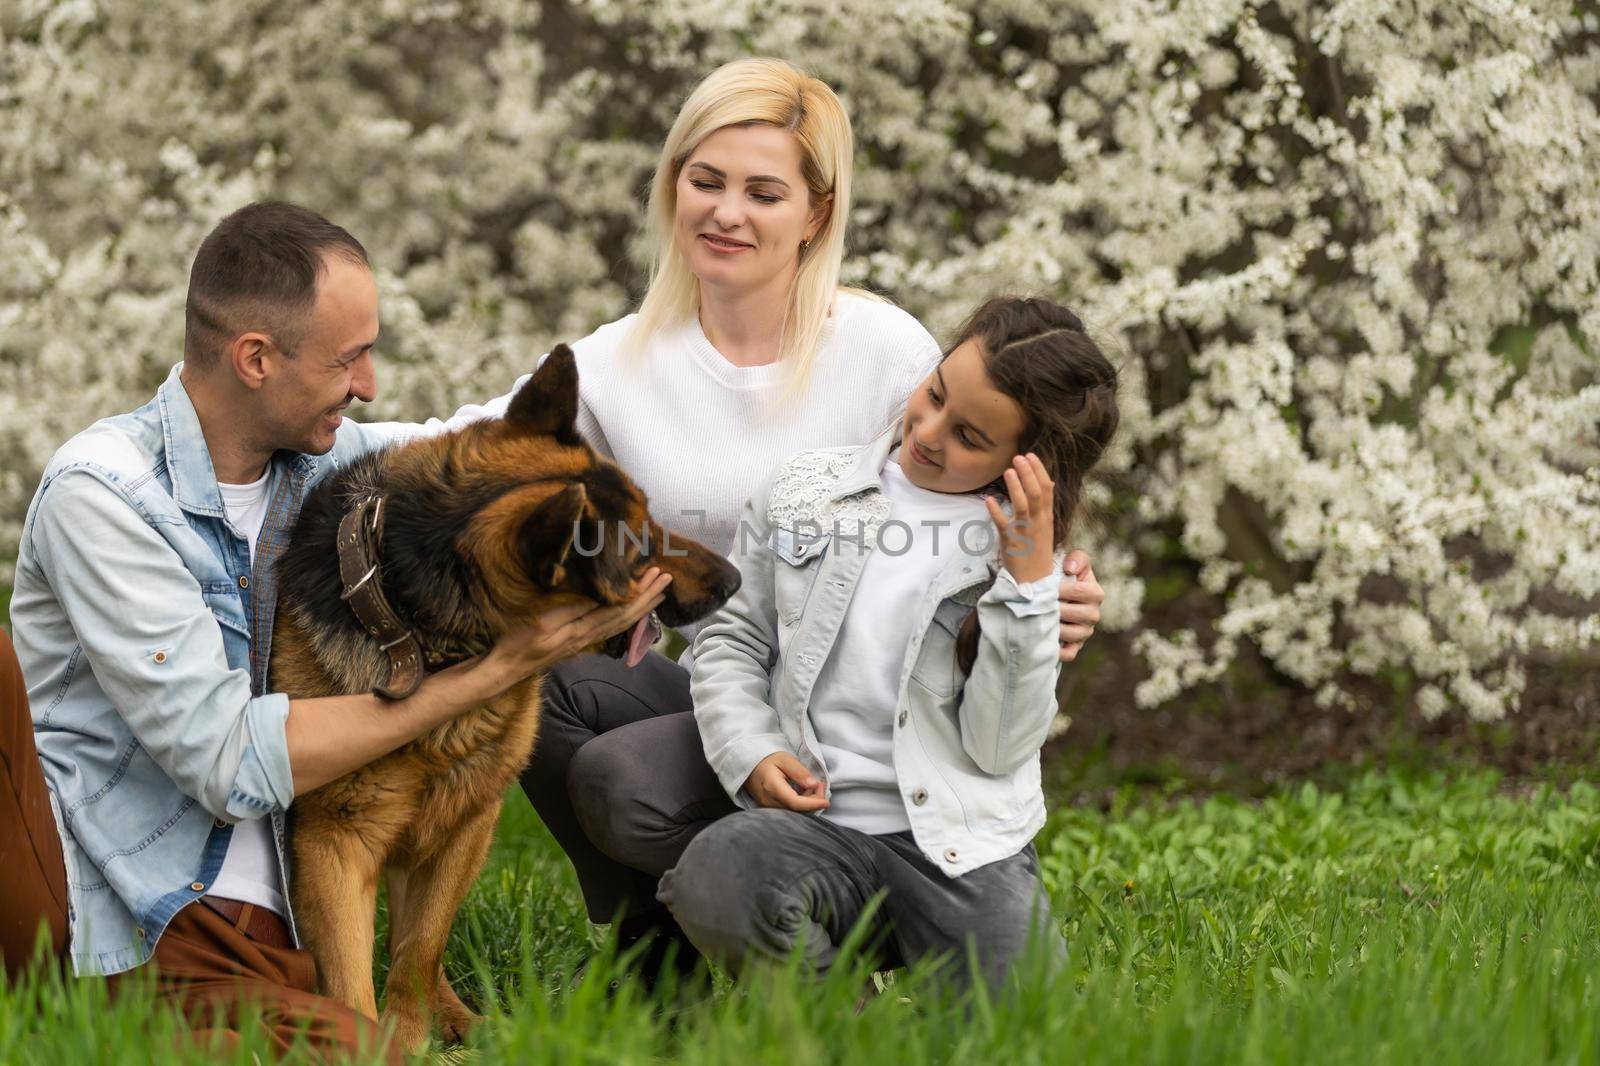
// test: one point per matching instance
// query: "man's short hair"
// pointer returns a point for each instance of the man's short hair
(258, 270)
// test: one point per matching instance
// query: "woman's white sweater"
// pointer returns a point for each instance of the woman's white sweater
(697, 433)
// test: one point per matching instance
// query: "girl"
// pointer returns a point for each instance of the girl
(881, 733)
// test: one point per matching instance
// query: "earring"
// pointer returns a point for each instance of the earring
(805, 246)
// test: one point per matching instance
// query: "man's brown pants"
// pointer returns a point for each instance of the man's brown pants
(203, 965)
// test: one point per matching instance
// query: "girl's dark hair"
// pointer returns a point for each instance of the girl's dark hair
(1038, 354)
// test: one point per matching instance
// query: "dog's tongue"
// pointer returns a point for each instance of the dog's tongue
(645, 632)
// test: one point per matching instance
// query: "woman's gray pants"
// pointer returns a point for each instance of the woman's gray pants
(619, 778)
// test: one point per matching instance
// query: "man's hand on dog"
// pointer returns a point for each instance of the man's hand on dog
(562, 632)
(781, 781)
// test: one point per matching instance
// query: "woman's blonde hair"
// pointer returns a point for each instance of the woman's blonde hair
(746, 92)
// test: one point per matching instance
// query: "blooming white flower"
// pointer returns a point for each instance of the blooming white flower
(1348, 254)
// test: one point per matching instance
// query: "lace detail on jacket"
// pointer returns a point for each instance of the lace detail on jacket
(800, 498)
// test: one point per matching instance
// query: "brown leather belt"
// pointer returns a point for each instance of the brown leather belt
(260, 924)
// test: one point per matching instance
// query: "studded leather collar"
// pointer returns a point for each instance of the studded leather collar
(360, 534)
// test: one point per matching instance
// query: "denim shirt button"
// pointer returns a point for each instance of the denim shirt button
(244, 582)
(220, 823)
(919, 796)
(139, 933)
(952, 855)
(198, 886)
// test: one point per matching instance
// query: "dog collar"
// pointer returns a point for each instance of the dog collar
(360, 533)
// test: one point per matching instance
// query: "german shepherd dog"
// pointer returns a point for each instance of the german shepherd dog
(477, 539)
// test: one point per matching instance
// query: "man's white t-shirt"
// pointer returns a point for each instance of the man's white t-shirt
(857, 691)
(250, 870)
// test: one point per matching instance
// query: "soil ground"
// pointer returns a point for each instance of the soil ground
(1255, 729)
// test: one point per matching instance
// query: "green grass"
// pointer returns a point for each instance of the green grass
(1399, 920)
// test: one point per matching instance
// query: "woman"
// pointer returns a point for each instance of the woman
(745, 350)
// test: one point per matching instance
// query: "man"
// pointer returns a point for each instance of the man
(150, 827)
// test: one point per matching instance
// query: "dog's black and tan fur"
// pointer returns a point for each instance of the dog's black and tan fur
(477, 540)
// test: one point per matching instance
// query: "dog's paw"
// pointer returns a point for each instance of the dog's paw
(453, 1018)
(454, 1023)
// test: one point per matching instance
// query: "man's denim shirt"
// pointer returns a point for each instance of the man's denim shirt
(144, 635)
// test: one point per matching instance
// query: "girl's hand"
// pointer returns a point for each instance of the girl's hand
(1027, 540)
(780, 781)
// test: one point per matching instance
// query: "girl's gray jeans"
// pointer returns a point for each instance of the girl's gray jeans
(759, 884)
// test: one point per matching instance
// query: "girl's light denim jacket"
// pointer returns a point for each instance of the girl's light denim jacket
(143, 633)
(966, 749)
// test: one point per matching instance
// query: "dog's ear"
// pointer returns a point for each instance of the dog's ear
(546, 535)
(548, 403)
